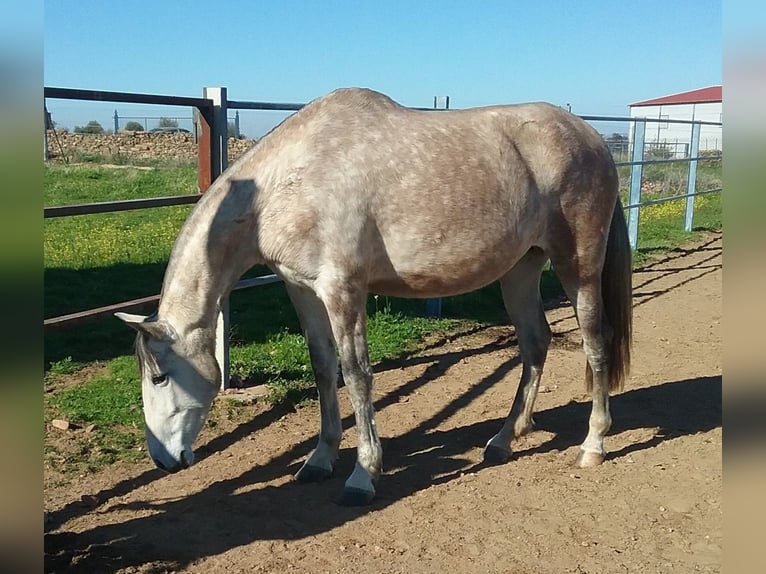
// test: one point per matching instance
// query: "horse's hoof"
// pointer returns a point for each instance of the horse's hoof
(587, 459)
(496, 455)
(310, 473)
(355, 497)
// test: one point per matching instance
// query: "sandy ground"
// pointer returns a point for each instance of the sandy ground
(655, 505)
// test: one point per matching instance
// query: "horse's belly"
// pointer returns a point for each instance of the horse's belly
(422, 286)
(439, 276)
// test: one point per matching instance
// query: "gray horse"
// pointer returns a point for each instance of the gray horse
(356, 194)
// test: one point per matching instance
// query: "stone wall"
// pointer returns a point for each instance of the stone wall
(132, 146)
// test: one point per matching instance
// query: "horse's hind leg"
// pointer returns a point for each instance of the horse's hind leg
(521, 295)
(582, 283)
(316, 328)
(345, 301)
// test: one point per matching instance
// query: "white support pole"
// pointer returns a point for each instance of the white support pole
(691, 182)
(220, 161)
(222, 345)
(636, 177)
(219, 129)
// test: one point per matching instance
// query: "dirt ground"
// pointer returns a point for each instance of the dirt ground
(655, 505)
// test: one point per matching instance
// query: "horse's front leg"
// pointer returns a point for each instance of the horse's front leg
(346, 310)
(316, 328)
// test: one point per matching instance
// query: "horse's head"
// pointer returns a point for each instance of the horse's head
(179, 380)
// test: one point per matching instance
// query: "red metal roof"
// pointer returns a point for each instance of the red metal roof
(701, 96)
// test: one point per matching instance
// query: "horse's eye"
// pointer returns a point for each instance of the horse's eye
(159, 379)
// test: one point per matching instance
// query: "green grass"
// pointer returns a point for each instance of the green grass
(661, 226)
(670, 178)
(65, 366)
(67, 184)
(109, 405)
(113, 398)
(101, 259)
(94, 260)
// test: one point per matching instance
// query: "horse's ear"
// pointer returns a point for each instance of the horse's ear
(156, 329)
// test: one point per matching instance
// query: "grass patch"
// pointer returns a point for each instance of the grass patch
(662, 180)
(94, 260)
(106, 415)
(110, 399)
(661, 226)
(283, 361)
(65, 366)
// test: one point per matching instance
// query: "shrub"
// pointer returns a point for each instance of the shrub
(133, 127)
(92, 127)
(167, 123)
(714, 161)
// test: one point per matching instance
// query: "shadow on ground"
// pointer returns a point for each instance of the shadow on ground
(221, 516)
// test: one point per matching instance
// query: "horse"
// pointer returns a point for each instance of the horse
(355, 194)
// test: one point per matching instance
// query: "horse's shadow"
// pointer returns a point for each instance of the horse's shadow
(229, 513)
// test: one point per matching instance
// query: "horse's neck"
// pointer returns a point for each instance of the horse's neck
(212, 251)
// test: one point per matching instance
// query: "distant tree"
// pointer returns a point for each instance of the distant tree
(92, 127)
(168, 123)
(133, 127)
(616, 138)
(618, 144)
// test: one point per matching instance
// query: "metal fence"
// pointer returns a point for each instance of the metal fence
(642, 154)
(186, 123)
(211, 126)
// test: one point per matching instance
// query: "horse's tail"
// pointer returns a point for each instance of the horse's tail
(617, 292)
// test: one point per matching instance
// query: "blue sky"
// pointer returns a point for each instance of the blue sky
(596, 55)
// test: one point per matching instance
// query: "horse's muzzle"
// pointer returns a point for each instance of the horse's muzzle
(182, 464)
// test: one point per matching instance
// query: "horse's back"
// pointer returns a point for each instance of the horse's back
(429, 202)
(391, 148)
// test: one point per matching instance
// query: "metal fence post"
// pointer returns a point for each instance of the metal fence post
(46, 123)
(116, 122)
(636, 177)
(203, 120)
(220, 160)
(434, 306)
(219, 130)
(691, 182)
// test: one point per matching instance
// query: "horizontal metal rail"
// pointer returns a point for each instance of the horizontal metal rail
(82, 316)
(672, 160)
(122, 205)
(275, 106)
(131, 98)
(136, 304)
(237, 105)
(672, 198)
(650, 120)
(256, 281)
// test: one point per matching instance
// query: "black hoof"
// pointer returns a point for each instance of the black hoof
(355, 497)
(496, 455)
(309, 473)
